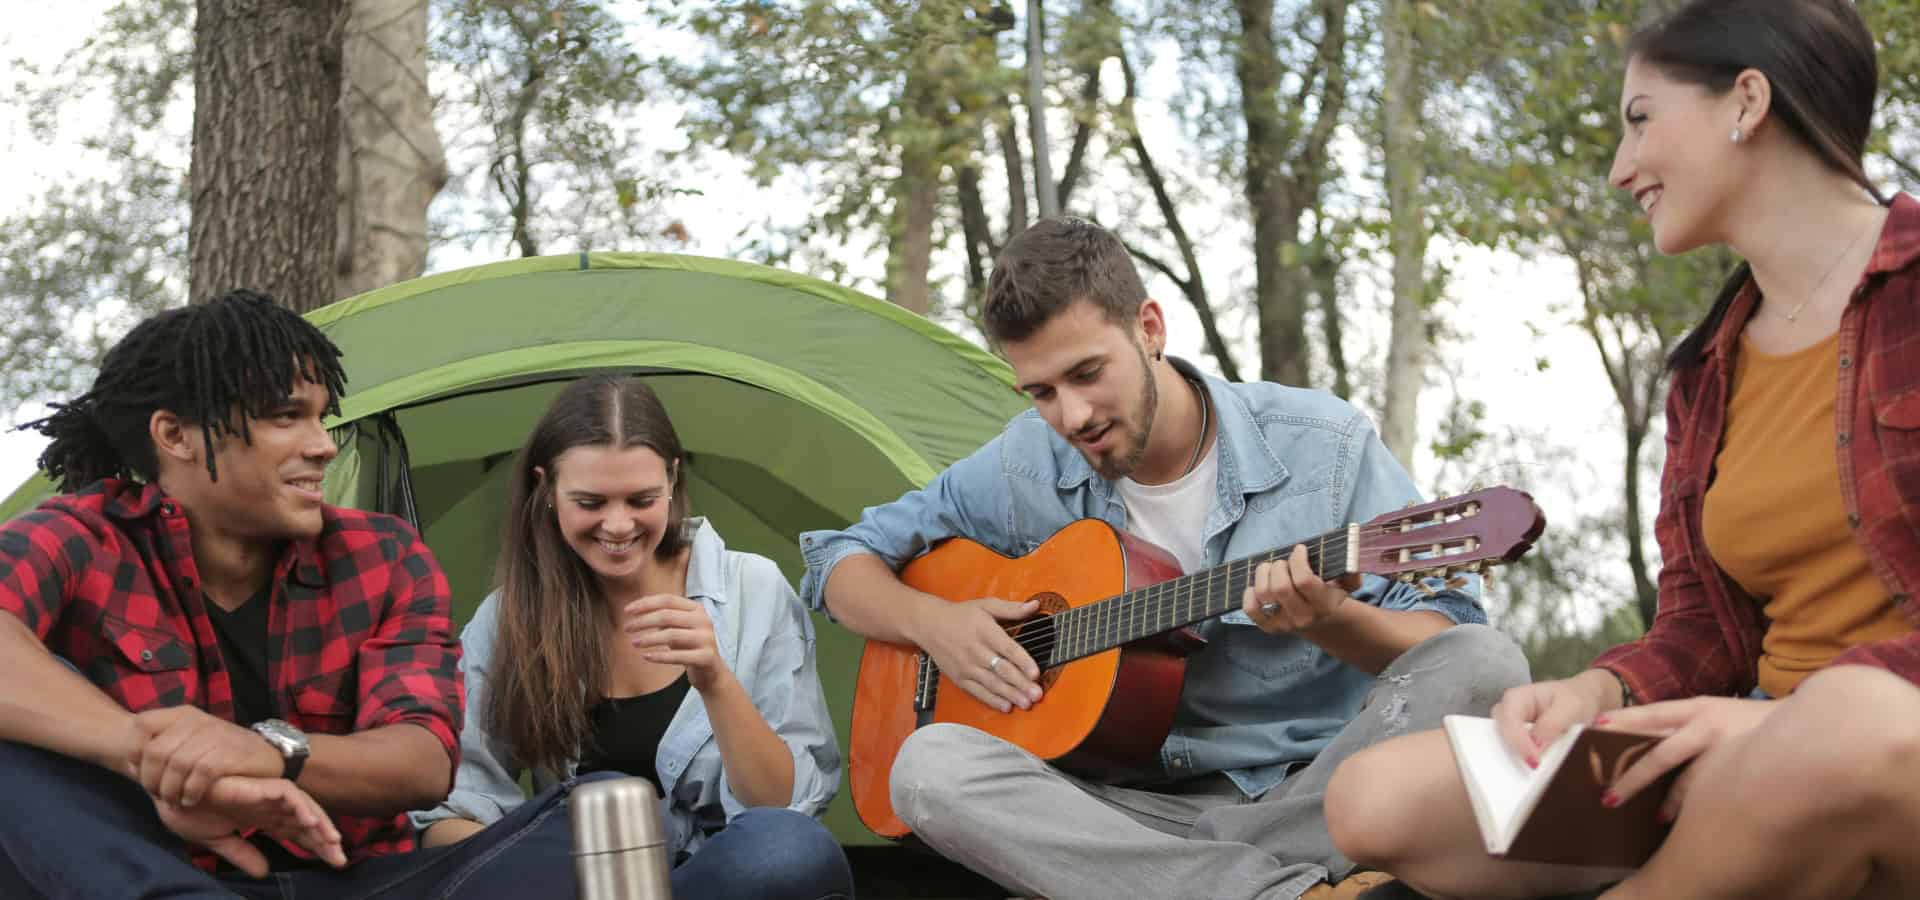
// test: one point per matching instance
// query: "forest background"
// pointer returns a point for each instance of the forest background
(1403, 202)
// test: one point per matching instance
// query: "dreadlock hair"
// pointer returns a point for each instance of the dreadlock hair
(236, 353)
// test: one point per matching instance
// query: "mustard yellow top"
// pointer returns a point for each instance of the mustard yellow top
(1775, 522)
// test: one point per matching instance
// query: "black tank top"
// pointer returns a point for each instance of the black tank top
(626, 731)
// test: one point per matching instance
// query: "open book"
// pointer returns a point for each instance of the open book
(1552, 814)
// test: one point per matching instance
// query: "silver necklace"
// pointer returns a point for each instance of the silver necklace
(1793, 315)
(1199, 443)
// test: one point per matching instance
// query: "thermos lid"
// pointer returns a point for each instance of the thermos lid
(614, 814)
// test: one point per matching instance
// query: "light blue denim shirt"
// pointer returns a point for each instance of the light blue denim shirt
(765, 637)
(1293, 464)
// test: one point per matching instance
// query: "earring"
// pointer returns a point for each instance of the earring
(1737, 136)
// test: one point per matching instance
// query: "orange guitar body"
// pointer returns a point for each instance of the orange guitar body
(1103, 714)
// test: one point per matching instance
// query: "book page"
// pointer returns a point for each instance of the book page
(1498, 781)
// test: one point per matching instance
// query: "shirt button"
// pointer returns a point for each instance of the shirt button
(1846, 362)
(1846, 438)
(146, 656)
(1853, 520)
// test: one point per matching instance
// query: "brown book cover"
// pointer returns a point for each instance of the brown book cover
(1553, 814)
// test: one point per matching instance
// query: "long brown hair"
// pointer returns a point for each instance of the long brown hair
(549, 650)
(1818, 58)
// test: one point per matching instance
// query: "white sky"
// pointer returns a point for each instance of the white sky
(1510, 310)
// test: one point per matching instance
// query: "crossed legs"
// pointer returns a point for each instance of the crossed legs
(1820, 801)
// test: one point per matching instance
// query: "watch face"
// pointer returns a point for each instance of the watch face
(285, 737)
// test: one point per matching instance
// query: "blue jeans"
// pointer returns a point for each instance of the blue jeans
(767, 854)
(71, 830)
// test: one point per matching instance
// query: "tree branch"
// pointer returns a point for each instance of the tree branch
(1194, 286)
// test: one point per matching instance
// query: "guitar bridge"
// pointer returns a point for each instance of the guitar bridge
(926, 684)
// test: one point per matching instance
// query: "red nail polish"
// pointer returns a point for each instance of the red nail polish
(1600, 720)
(1533, 762)
(1610, 800)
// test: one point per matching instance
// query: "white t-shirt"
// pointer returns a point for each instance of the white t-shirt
(1173, 516)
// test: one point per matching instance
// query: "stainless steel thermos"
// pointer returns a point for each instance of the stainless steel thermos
(619, 848)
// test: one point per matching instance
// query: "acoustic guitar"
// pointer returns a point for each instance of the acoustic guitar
(1112, 631)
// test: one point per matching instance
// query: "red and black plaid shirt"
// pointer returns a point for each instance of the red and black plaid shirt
(1706, 636)
(359, 629)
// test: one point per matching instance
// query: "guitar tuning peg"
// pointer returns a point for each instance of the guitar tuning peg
(1425, 588)
(1457, 582)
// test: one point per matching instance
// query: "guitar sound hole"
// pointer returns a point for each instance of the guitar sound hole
(1038, 636)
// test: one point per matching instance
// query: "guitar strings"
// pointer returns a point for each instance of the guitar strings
(1119, 612)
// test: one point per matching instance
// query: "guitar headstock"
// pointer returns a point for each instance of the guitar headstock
(1467, 533)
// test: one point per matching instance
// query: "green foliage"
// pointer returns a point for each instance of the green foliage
(86, 258)
(856, 97)
(556, 94)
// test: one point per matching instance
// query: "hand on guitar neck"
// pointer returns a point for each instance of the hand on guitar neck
(1287, 597)
(971, 645)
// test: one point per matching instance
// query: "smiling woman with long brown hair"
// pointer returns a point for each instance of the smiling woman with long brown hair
(1780, 670)
(624, 637)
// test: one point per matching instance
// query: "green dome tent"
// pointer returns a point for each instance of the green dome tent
(799, 402)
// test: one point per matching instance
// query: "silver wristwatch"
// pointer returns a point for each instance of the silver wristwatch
(290, 741)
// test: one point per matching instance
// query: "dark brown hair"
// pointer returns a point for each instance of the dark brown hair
(1050, 266)
(549, 650)
(1818, 58)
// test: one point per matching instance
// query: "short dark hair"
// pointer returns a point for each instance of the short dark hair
(1819, 59)
(238, 353)
(1052, 265)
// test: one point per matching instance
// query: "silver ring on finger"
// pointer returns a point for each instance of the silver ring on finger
(1268, 609)
(993, 664)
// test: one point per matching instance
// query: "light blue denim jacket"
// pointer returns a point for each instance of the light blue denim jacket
(765, 637)
(1255, 706)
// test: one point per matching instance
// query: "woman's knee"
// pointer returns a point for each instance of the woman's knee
(784, 854)
(1853, 734)
(1363, 813)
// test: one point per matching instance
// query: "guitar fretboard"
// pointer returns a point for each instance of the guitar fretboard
(1175, 603)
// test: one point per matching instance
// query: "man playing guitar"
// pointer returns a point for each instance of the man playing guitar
(1303, 675)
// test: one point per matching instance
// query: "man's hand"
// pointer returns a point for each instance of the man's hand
(971, 646)
(271, 805)
(180, 751)
(1288, 598)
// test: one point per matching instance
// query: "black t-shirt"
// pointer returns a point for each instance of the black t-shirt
(242, 634)
(626, 731)
(243, 647)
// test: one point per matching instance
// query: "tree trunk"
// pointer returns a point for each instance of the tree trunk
(910, 258)
(1283, 345)
(1016, 166)
(1645, 593)
(1286, 160)
(392, 163)
(266, 143)
(1324, 264)
(1407, 239)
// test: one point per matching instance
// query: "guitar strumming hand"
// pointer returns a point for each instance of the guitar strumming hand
(971, 646)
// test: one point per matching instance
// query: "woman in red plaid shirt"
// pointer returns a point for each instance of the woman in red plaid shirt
(1781, 668)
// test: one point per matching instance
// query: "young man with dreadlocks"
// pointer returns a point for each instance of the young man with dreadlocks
(264, 682)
